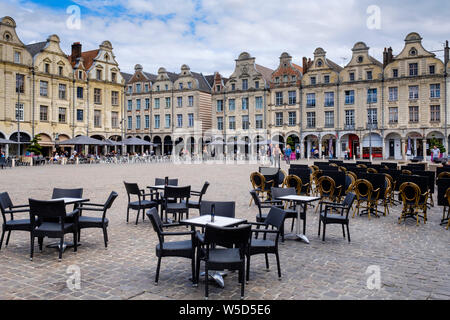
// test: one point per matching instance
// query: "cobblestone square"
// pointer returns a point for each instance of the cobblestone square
(413, 260)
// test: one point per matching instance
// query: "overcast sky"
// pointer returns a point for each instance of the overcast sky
(208, 35)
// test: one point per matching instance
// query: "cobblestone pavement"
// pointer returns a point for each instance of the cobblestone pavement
(414, 261)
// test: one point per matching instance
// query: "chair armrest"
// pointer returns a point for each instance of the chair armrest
(73, 213)
(265, 231)
(196, 193)
(256, 223)
(92, 204)
(331, 204)
(17, 211)
(21, 206)
(90, 209)
(177, 233)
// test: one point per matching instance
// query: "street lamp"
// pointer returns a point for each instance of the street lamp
(369, 121)
(19, 85)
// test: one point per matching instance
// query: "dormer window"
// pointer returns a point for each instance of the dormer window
(256, 84)
(326, 79)
(319, 63)
(313, 80)
(47, 68)
(113, 77)
(60, 71)
(285, 78)
(369, 75)
(167, 87)
(80, 75)
(157, 88)
(360, 59)
(233, 87)
(218, 88)
(7, 36)
(17, 57)
(99, 74)
(190, 85)
(395, 73)
(277, 80)
(352, 76)
(432, 69)
(181, 86)
(244, 84)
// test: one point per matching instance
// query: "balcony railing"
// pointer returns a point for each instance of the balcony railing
(372, 126)
(349, 127)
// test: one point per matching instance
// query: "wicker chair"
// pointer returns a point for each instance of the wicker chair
(365, 194)
(326, 187)
(411, 198)
(293, 181)
(260, 185)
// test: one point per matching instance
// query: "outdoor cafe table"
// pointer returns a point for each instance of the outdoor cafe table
(302, 203)
(219, 221)
(67, 201)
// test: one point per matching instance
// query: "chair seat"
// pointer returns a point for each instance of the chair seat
(192, 203)
(53, 227)
(19, 224)
(261, 244)
(144, 204)
(221, 256)
(86, 222)
(334, 217)
(176, 206)
(261, 218)
(175, 248)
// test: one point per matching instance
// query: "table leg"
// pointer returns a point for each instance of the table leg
(301, 237)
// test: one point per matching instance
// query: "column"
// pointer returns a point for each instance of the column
(383, 150)
(402, 146)
(424, 148)
(320, 148)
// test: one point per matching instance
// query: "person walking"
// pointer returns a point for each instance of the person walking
(276, 155)
(436, 153)
(287, 154)
(270, 153)
(297, 153)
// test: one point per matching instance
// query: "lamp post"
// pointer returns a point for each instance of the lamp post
(369, 121)
(19, 85)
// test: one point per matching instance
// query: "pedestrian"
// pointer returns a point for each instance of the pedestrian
(316, 153)
(435, 154)
(297, 153)
(270, 153)
(276, 155)
(287, 154)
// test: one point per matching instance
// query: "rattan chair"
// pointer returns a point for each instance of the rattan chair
(292, 181)
(326, 188)
(372, 170)
(410, 194)
(260, 185)
(365, 194)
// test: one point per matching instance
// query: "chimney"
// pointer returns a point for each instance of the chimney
(446, 53)
(76, 51)
(305, 65)
(385, 57)
(390, 55)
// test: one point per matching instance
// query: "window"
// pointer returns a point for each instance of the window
(310, 100)
(259, 121)
(393, 94)
(62, 91)
(369, 75)
(157, 88)
(244, 103)
(138, 104)
(218, 88)
(285, 78)
(114, 119)
(19, 112)
(219, 123)
(97, 118)
(393, 115)
(80, 75)
(326, 79)
(258, 103)
(277, 80)
(292, 97)
(147, 103)
(350, 119)
(97, 96)
(278, 119)
(17, 57)
(232, 123)
(435, 113)
(435, 91)
(130, 89)
(60, 71)
(311, 120)
(166, 86)
(138, 88)
(179, 102)
(219, 105)
(80, 93)
(233, 87)
(20, 83)
(329, 119)
(244, 84)
(292, 117)
(278, 98)
(350, 97)
(62, 115)
(130, 123)
(329, 99)
(138, 122)
(190, 120)
(130, 105)
(190, 85)
(156, 103)
(245, 122)
(167, 102)
(167, 120)
(190, 101)
(47, 68)
(113, 77)
(115, 98)
(99, 75)
(232, 104)
(256, 84)
(43, 88)
(313, 80)
(413, 69)
(414, 114)
(294, 78)
(372, 117)
(395, 73)
(146, 87)
(147, 121)
(180, 85)
(157, 121)
(43, 113)
(179, 120)
(432, 69)
(80, 114)
(413, 92)
(352, 76)
(371, 95)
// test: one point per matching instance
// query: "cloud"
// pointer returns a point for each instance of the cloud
(208, 35)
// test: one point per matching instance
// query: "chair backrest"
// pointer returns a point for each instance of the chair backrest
(177, 192)
(157, 224)
(292, 181)
(326, 186)
(363, 188)
(238, 237)
(348, 201)
(372, 170)
(410, 193)
(5, 201)
(203, 191)
(47, 209)
(67, 193)
(444, 175)
(281, 192)
(222, 209)
(275, 218)
(161, 182)
(281, 176)
(257, 201)
(132, 188)
(257, 180)
(349, 182)
(112, 196)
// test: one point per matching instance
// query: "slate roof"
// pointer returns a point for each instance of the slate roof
(35, 48)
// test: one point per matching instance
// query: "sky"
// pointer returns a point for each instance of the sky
(208, 35)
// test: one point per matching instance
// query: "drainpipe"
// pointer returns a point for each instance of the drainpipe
(34, 102)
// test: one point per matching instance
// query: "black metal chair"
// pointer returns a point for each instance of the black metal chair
(42, 215)
(334, 214)
(224, 248)
(68, 193)
(291, 211)
(196, 204)
(222, 208)
(260, 216)
(177, 205)
(275, 220)
(141, 204)
(161, 182)
(95, 222)
(183, 249)
(7, 208)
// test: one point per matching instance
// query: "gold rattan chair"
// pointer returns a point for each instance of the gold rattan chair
(292, 181)
(353, 175)
(407, 172)
(326, 188)
(362, 166)
(260, 185)
(314, 180)
(387, 194)
(391, 195)
(342, 169)
(365, 194)
(352, 184)
(446, 211)
(444, 175)
(411, 197)
(333, 165)
(372, 170)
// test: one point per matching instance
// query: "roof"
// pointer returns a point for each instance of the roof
(126, 76)
(266, 72)
(298, 67)
(210, 80)
(202, 82)
(150, 76)
(375, 61)
(35, 48)
(333, 65)
(88, 58)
